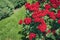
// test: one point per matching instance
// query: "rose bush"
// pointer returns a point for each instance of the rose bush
(42, 23)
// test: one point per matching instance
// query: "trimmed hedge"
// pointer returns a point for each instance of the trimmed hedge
(17, 3)
(7, 7)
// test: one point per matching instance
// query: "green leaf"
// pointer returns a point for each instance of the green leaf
(49, 35)
(58, 31)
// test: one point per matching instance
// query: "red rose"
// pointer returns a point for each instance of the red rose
(37, 4)
(58, 15)
(42, 27)
(27, 5)
(27, 20)
(39, 13)
(52, 15)
(34, 7)
(36, 14)
(20, 22)
(31, 36)
(42, 21)
(58, 11)
(54, 5)
(58, 2)
(45, 12)
(58, 21)
(47, 6)
(37, 20)
(53, 1)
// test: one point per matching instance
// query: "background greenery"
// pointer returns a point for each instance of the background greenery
(9, 27)
(7, 7)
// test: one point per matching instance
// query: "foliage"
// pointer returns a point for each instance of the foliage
(42, 21)
(17, 3)
(5, 9)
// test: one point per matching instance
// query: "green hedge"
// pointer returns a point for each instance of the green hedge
(7, 7)
(17, 3)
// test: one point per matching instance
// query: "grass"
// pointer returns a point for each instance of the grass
(9, 27)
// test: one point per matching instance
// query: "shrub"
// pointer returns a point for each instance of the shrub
(17, 3)
(42, 22)
(6, 9)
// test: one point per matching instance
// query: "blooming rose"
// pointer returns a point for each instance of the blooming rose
(31, 36)
(33, 7)
(58, 15)
(42, 27)
(58, 21)
(45, 12)
(27, 20)
(58, 11)
(52, 15)
(39, 13)
(47, 6)
(27, 5)
(54, 5)
(37, 20)
(36, 14)
(53, 1)
(20, 22)
(58, 2)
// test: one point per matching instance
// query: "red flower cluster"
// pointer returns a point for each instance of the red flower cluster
(55, 3)
(42, 27)
(32, 7)
(47, 6)
(37, 16)
(58, 21)
(52, 15)
(58, 14)
(31, 36)
(40, 20)
(27, 20)
(39, 13)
